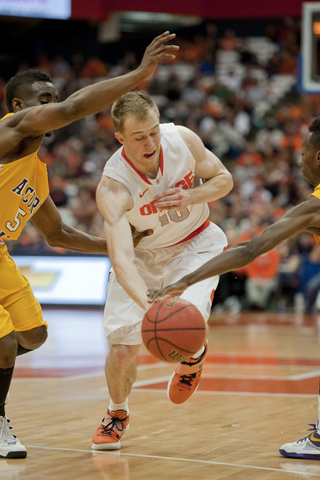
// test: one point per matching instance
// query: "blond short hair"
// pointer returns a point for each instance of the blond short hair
(132, 103)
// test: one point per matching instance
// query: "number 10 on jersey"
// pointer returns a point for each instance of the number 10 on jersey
(174, 216)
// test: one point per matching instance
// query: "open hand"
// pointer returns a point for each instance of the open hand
(156, 51)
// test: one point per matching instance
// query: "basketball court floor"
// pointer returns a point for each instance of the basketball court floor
(258, 391)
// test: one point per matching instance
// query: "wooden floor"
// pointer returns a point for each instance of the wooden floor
(258, 391)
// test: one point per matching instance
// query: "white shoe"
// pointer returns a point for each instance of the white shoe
(308, 447)
(10, 447)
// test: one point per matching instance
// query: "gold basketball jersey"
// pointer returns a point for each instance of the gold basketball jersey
(23, 189)
(316, 194)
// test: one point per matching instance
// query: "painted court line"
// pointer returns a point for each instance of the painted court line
(177, 459)
(155, 380)
(295, 377)
(142, 383)
(219, 392)
(68, 378)
(304, 376)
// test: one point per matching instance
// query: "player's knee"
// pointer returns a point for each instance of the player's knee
(8, 350)
(42, 336)
(34, 338)
(123, 355)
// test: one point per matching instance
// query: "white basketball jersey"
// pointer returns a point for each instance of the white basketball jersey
(177, 166)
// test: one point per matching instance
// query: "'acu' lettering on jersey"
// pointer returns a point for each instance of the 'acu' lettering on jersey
(177, 166)
(27, 195)
(23, 188)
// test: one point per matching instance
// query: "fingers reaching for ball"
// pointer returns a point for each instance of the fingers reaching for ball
(174, 290)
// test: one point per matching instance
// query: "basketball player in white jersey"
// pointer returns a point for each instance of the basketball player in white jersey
(150, 182)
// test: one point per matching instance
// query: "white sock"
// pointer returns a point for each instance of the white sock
(198, 354)
(119, 406)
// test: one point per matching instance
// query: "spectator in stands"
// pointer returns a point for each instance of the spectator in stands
(193, 94)
(247, 57)
(94, 67)
(250, 157)
(262, 281)
(268, 136)
(84, 206)
(229, 41)
(231, 80)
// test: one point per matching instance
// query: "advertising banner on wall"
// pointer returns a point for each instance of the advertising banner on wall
(67, 280)
(59, 9)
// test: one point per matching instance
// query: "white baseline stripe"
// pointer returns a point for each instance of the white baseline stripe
(218, 392)
(150, 366)
(153, 381)
(54, 379)
(298, 376)
(177, 459)
(302, 376)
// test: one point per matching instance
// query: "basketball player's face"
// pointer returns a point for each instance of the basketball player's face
(39, 93)
(141, 140)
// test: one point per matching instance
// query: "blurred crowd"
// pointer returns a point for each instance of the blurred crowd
(218, 100)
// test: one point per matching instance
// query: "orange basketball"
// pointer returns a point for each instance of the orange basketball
(173, 330)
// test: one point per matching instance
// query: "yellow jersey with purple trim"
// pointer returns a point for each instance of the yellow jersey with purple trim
(316, 194)
(23, 188)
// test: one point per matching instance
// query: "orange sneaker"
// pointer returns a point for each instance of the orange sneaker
(185, 380)
(113, 426)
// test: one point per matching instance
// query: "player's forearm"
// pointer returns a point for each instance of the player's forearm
(94, 98)
(213, 189)
(232, 259)
(72, 239)
(86, 101)
(242, 254)
(130, 280)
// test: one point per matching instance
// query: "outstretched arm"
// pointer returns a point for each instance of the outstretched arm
(36, 121)
(302, 217)
(48, 220)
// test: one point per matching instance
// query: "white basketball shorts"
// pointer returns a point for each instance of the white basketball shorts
(160, 267)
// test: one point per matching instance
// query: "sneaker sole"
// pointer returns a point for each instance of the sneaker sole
(108, 446)
(21, 454)
(309, 456)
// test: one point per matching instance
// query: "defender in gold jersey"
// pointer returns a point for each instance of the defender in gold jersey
(24, 193)
(303, 217)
